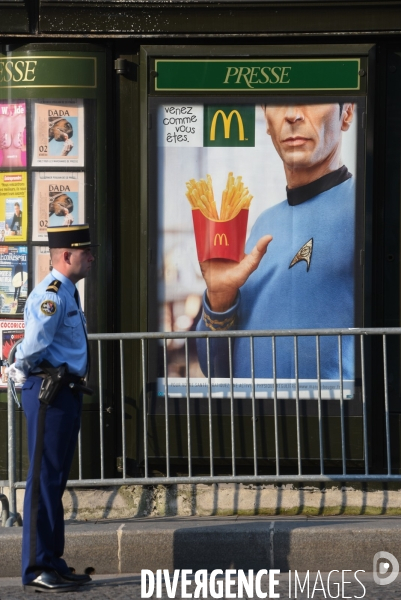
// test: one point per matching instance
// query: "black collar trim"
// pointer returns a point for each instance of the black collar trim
(310, 190)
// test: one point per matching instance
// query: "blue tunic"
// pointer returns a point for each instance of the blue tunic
(56, 335)
(276, 296)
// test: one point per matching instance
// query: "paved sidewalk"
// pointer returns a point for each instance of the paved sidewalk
(296, 543)
(128, 587)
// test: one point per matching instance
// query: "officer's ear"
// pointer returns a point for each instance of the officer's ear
(67, 256)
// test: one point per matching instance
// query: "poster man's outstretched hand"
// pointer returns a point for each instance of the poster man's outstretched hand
(224, 277)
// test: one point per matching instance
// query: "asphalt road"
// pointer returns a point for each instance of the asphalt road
(127, 587)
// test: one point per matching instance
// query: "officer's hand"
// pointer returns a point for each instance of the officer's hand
(15, 374)
(225, 277)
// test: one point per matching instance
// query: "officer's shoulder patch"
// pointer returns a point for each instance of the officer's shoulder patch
(48, 308)
(54, 286)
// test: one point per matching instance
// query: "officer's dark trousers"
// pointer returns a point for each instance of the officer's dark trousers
(52, 437)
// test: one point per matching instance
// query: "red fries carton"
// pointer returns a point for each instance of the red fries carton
(220, 239)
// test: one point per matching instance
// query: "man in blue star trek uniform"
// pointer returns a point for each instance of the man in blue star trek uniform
(55, 342)
(307, 277)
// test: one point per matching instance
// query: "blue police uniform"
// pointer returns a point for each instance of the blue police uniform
(305, 281)
(55, 330)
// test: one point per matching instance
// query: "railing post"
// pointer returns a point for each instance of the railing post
(5, 509)
(12, 470)
(11, 450)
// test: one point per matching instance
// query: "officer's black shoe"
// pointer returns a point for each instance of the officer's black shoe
(50, 581)
(74, 578)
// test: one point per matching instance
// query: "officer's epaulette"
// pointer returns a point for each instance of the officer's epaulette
(54, 286)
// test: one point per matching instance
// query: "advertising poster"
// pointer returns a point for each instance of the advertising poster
(58, 200)
(11, 333)
(42, 263)
(256, 231)
(12, 135)
(58, 133)
(13, 279)
(13, 207)
(43, 266)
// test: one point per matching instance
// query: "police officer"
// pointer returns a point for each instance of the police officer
(55, 342)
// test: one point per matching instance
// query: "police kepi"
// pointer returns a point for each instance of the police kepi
(74, 236)
(54, 359)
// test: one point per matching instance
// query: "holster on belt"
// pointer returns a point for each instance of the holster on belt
(54, 378)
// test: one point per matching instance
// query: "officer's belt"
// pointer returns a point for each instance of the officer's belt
(67, 378)
(58, 378)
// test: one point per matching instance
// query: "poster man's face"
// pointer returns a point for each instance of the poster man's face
(307, 135)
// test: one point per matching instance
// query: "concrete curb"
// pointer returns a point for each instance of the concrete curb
(216, 543)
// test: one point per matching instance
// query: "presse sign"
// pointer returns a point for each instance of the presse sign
(257, 74)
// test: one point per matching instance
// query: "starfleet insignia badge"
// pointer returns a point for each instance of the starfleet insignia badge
(304, 253)
(48, 308)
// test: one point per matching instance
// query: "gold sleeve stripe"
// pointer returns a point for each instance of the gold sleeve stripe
(217, 325)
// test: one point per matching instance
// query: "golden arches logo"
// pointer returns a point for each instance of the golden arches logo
(227, 124)
(220, 237)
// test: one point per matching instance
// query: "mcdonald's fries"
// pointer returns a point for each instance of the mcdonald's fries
(235, 197)
(219, 236)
